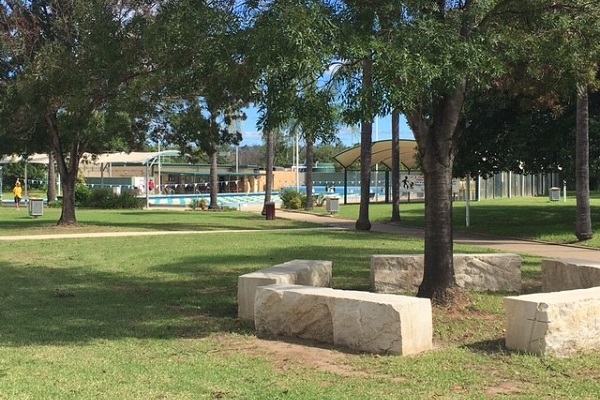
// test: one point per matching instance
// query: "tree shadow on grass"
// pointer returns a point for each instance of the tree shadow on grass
(58, 297)
(491, 346)
(53, 306)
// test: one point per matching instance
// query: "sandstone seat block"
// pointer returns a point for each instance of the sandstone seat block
(479, 272)
(296, 272)
(369, 322)
(556, 323)
(569, 274)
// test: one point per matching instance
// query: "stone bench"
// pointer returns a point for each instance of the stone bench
(479, 272)
(556, 323)
(569, 274)
(296, 272)
(363, 321)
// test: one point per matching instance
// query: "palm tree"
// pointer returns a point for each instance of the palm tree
(583, 229)
(395, 165)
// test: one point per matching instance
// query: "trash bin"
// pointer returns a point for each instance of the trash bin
(332, 204)
(554, 193)
(270, 211)
(36, 207)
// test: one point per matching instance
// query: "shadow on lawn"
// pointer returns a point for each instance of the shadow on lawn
(52, 306)
(488, 346)
(189, 296)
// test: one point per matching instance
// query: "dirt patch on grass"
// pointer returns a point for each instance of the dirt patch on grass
(288, 354)
(504, 388)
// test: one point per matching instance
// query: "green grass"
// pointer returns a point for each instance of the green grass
(18, 222)
(532, 218)
(155, 318)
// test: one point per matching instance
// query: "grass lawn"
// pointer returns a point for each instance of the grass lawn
(533, 218)
(18, 222)
(155, 318)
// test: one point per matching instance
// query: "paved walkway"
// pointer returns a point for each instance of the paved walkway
(492, 242)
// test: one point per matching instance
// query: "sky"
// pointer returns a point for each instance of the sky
(382, 130)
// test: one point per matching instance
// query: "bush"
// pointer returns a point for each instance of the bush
(292, 199)
(198, 203)
(128, 200)
(101, 198)
(82, 194)
(55, 204)
(104, 198)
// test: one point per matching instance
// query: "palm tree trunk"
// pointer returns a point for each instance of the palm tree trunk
(214, 180)
(395, 165)
(583, 223)
(366, 137)
(269, 171)
(309, 171)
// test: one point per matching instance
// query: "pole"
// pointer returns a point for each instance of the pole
(146, 188)
(26, 162)
(376, 165)
(565, 191)
(159, 181)
(468, 203)
(345, 185)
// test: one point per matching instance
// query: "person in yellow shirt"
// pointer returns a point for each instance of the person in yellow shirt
(18, 192)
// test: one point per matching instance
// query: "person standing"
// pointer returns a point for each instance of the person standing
(18, 192)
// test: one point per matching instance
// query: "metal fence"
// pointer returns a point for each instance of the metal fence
(499, 185)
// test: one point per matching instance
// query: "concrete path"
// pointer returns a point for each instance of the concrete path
(502, 244)
(492, 242)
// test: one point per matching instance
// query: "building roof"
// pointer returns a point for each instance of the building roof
(135, 157)
(32, 159)
(381, 153)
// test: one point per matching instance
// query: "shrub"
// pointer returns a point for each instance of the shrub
(105, 198)
(101, 198)
(128, 200)
(82, 194)
(295, 203)
(55, 204)
(198, 203)
(292, 199)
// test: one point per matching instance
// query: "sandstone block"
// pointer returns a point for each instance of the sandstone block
(479, 272)
(569, 274)
(370, 322)
(298, 272)
(556, 323)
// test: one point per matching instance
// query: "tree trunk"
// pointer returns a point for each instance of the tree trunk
(438, 275)
(69, 182)
(436, 147)
(68, 168)
(583, 224)
(214, 180)
(366, 137)
(395, 165)
(269, 171)
(51, 194)
(310, 155)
